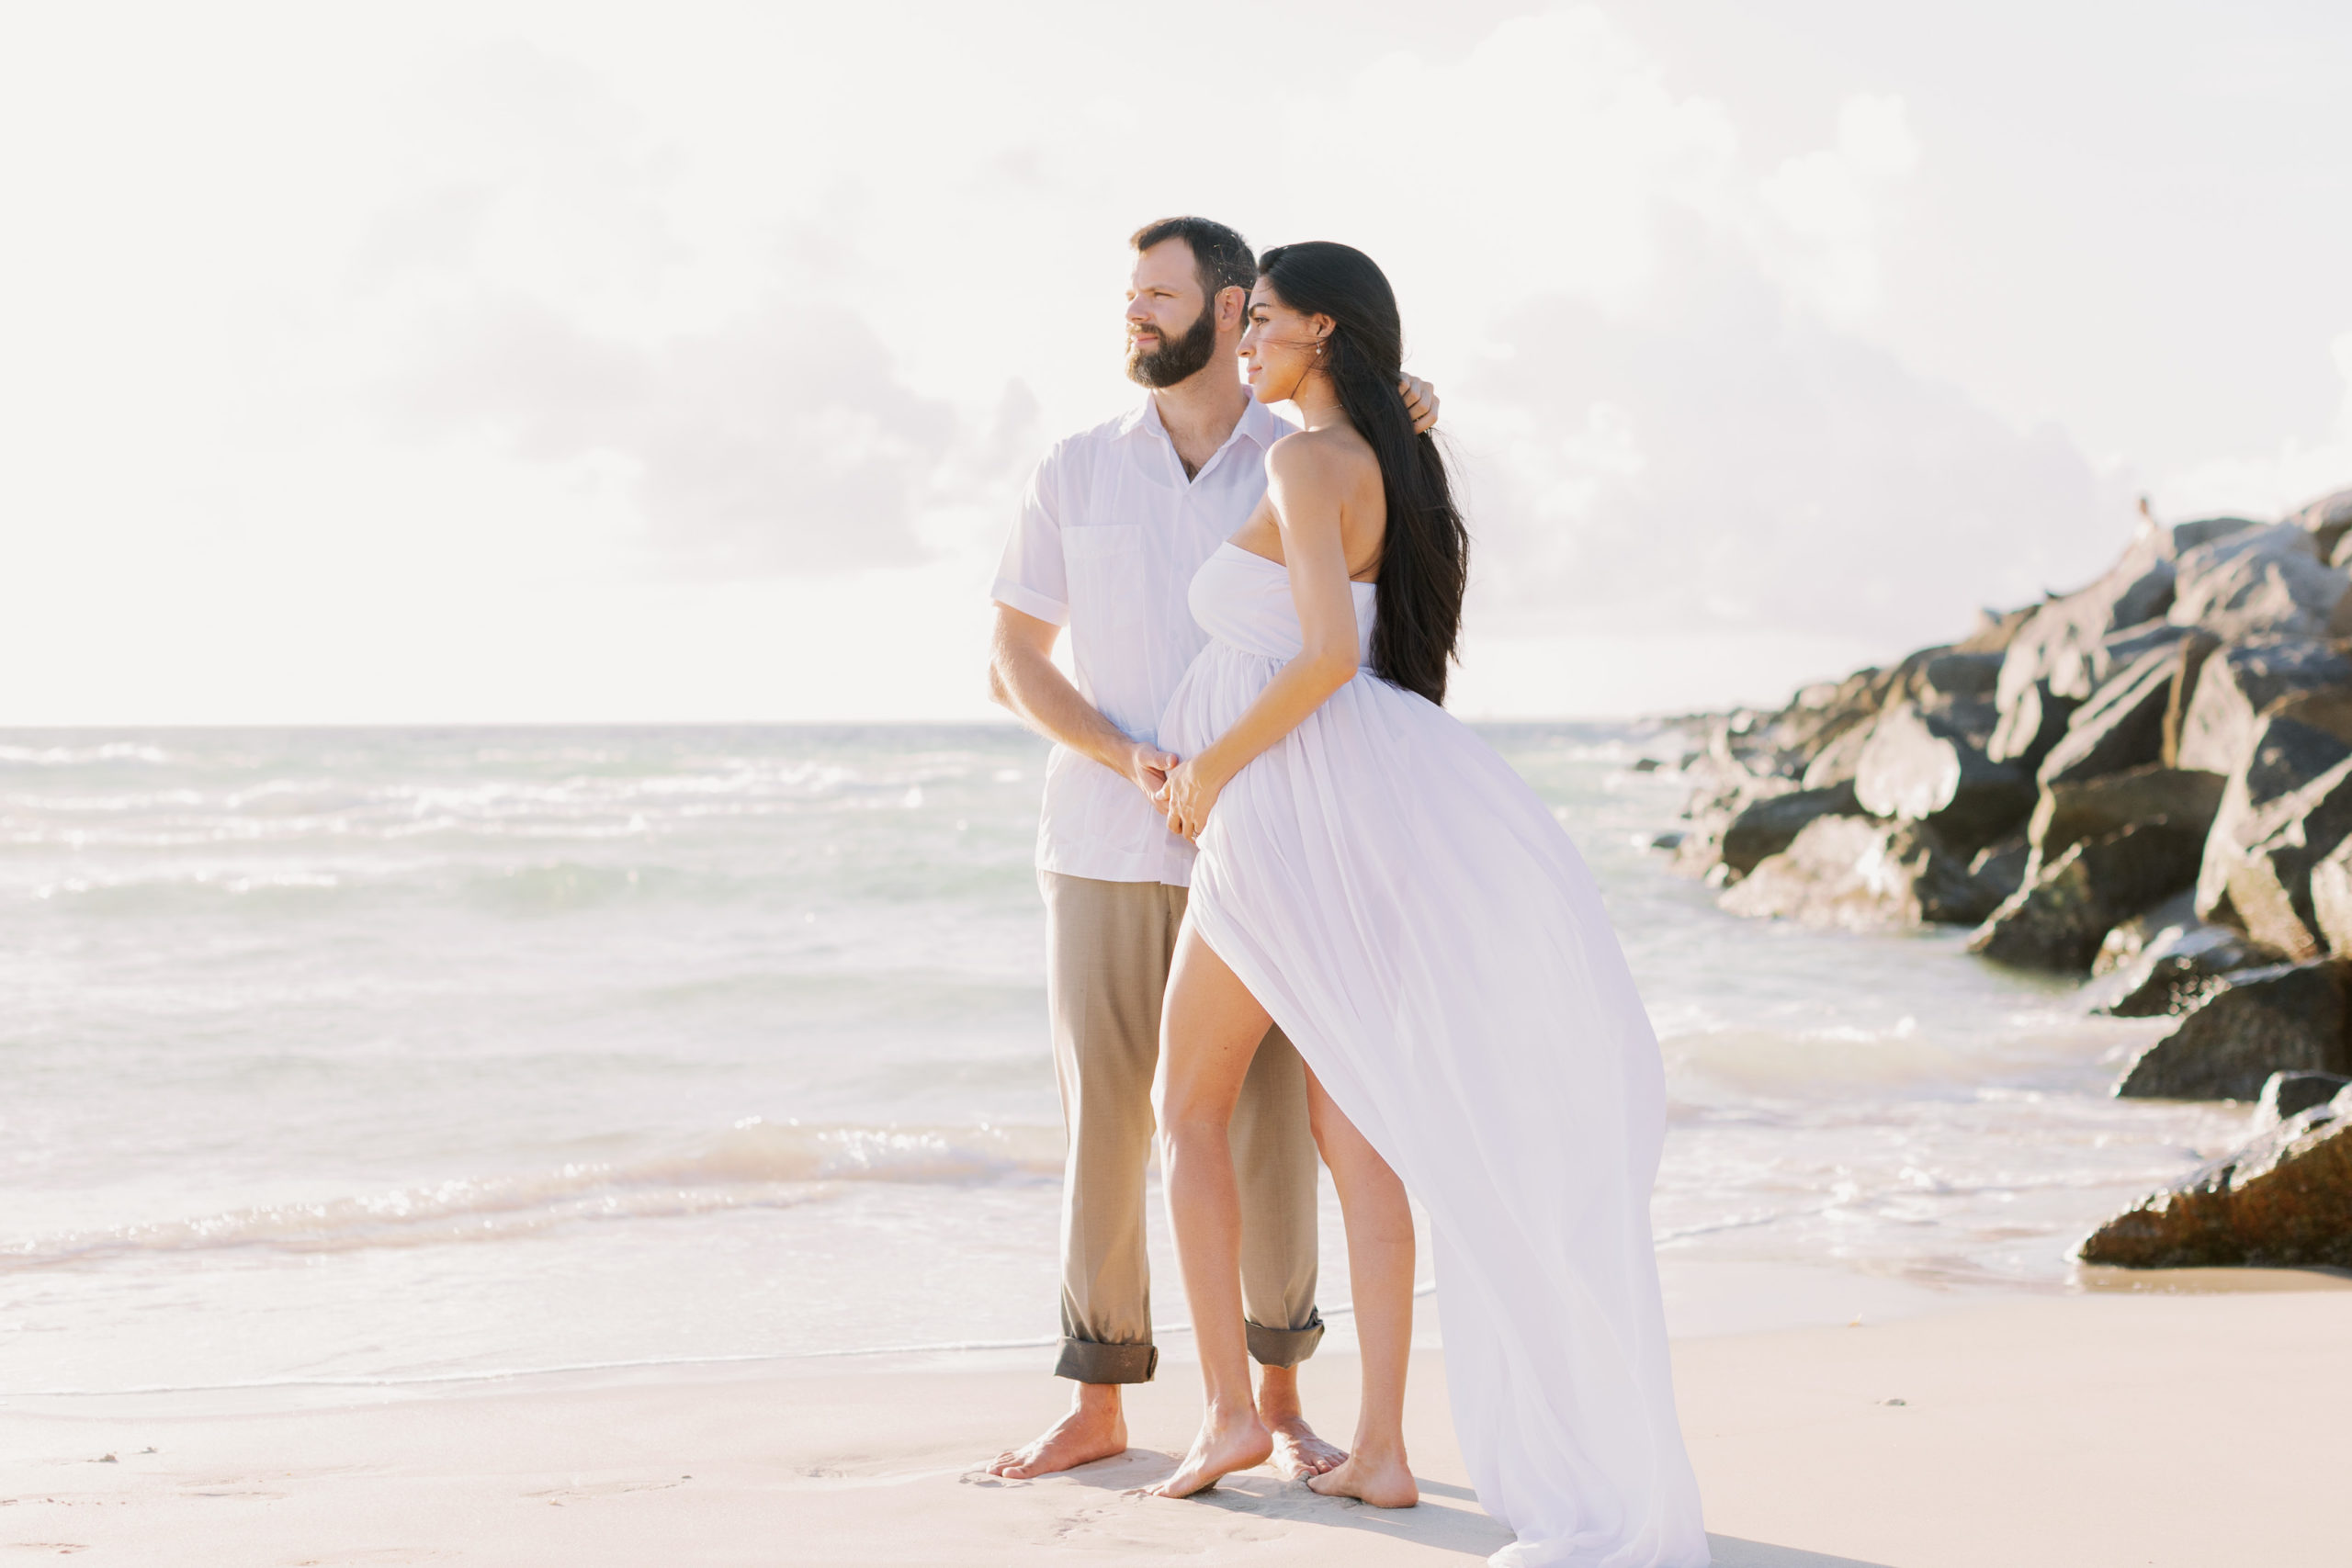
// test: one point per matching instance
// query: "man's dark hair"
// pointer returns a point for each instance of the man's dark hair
(1221, 257)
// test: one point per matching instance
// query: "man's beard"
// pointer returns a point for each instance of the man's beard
(1172, 362)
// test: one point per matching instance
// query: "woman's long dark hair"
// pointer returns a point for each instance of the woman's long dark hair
(1425, 555)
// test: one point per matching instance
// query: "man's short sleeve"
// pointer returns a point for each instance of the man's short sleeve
(1031, 576)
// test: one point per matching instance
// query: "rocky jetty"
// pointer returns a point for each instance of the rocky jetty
(2148, 779)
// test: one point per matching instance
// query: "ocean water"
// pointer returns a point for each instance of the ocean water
(402, 1055)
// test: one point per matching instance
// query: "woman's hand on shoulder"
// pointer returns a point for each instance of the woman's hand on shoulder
(1420, 402)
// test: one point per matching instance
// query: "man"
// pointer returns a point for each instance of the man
(1115, 522)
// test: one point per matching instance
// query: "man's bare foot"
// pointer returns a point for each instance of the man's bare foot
(1094, 1429)
(1226, 1443)
(1298, 1452)
(1385, 1483)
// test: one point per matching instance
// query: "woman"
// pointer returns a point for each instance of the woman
(1378, 881)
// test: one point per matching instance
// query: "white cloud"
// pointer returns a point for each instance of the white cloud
(497, 319)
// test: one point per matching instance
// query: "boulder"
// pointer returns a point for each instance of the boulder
(2193, 650)
(2128, 941)
(2237, 683)
(2056, 646)
(2300, 741)
(2332, 897)
(2058, 920)
(1859, 874)
(2283, 1202)
(2264, 874)
(1921, 766)
(2073, 809)
(2288, 1018)
(2000, 868)
(2122, 726)
(1786, 744)
(2167, 961)
(2030, 726)
(2326, 520)
(1769, 823)
(1840, 760)
(1950, 679)
(2255, 581)
(2292, 1094)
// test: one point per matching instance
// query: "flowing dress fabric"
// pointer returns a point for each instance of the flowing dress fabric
(1421, 928)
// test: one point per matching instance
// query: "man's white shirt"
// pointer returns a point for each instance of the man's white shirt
(1109, 536)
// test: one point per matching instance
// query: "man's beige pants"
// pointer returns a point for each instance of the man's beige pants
(1109, 948)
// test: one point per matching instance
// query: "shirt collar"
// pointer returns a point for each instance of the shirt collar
(1258, 422)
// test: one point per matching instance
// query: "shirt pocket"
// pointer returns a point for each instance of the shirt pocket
(1108, 563)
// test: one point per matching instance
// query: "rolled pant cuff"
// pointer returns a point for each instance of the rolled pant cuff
(1285, 1347)
(1090, 1360)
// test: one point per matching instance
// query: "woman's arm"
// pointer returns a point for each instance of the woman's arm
(1306, 480)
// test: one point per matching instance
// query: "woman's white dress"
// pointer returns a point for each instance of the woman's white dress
(1419, 924)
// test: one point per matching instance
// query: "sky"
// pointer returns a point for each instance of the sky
(570, 363)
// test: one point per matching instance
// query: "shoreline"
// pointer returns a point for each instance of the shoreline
(1802, 1296)
(2031, 1430)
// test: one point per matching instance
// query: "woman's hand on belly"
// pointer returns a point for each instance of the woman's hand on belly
(1189, 795)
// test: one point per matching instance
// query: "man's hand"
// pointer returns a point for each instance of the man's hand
(1148, 768)
(1420, 402)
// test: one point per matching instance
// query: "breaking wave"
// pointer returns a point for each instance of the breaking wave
(754, 1164)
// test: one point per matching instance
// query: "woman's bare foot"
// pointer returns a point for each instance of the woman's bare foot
(1226, 1443)
(1096, 1427)
(1385, 1481)
(1299, 1453)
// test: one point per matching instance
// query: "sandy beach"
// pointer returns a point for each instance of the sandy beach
(2120, 1427)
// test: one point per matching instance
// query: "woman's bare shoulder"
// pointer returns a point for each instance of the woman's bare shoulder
(1335, 457)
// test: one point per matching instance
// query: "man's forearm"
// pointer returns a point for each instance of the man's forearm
(1041, 697)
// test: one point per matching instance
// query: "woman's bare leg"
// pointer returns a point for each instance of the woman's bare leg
(1380, 1273)
(1209, 1029)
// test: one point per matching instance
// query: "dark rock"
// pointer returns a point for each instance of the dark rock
(2030, 726)
(2292, 1094)
(2332, 897)
(2303, 738)
(2000, 869)
(2123, 723)
(1837, 761)
(2283, 1202)
(2288, 1018)
(1951, 678)
(2170, 961)
(2058, 920)
(2216, 729)
(1770, 824)
(1860, 875)
(1646, 764)
(1670, 838)
(2193, 650)
(2058, 646)
(1919, 766)
(1786, 744)
(2265, 875)
(2128, 941)
(2326, 520)
(2259, 581)
(2074, 809)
